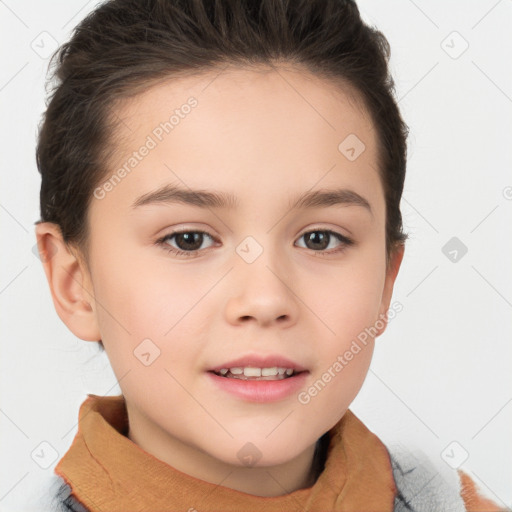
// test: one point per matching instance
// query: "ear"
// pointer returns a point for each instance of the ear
(69, 281)
(391, 273)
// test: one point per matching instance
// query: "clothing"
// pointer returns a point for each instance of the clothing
(105, 471)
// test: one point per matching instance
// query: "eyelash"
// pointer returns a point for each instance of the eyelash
(346, 242)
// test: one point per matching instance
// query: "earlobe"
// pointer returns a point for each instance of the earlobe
(69, 283)
(391, 274)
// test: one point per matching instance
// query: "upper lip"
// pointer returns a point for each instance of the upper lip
(260, 361)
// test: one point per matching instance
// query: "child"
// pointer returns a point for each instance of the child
(220, 198)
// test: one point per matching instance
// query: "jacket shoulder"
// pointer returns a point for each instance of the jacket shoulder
(421, 486)
(61, 498)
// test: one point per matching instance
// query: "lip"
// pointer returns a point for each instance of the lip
(259, 361)
(260, 390)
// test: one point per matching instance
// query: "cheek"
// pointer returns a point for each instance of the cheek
(143, 297)
(337, 380)
(338, 389)
(143, 322)
(348, 305)
(140, 300)
(348, 301)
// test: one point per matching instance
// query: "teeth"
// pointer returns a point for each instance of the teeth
(250, 371)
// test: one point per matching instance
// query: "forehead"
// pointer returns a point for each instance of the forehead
(247, 127)
(235, 93)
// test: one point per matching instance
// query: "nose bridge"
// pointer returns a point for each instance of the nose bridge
(261, 290)
(262, 260)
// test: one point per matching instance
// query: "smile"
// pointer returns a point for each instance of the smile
(251, 373)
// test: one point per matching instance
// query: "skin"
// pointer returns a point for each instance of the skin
(264, 135)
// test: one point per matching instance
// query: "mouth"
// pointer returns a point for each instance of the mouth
(256, 373)
(259, 367)
(259, 379)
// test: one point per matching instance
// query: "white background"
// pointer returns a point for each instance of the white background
(441, 372)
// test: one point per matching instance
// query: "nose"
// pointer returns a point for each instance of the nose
(262, 293)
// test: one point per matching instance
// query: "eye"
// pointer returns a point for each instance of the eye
(321, 239)
(188, 242)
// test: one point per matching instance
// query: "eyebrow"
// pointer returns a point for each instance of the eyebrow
(213, 199)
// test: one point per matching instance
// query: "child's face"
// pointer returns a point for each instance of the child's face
(255, 286)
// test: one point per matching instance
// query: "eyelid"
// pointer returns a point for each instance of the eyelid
(186, 229)
(336, 231)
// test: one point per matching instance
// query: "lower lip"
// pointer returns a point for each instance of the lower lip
(260, 390)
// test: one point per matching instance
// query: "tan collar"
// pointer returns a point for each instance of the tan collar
(108, 472)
